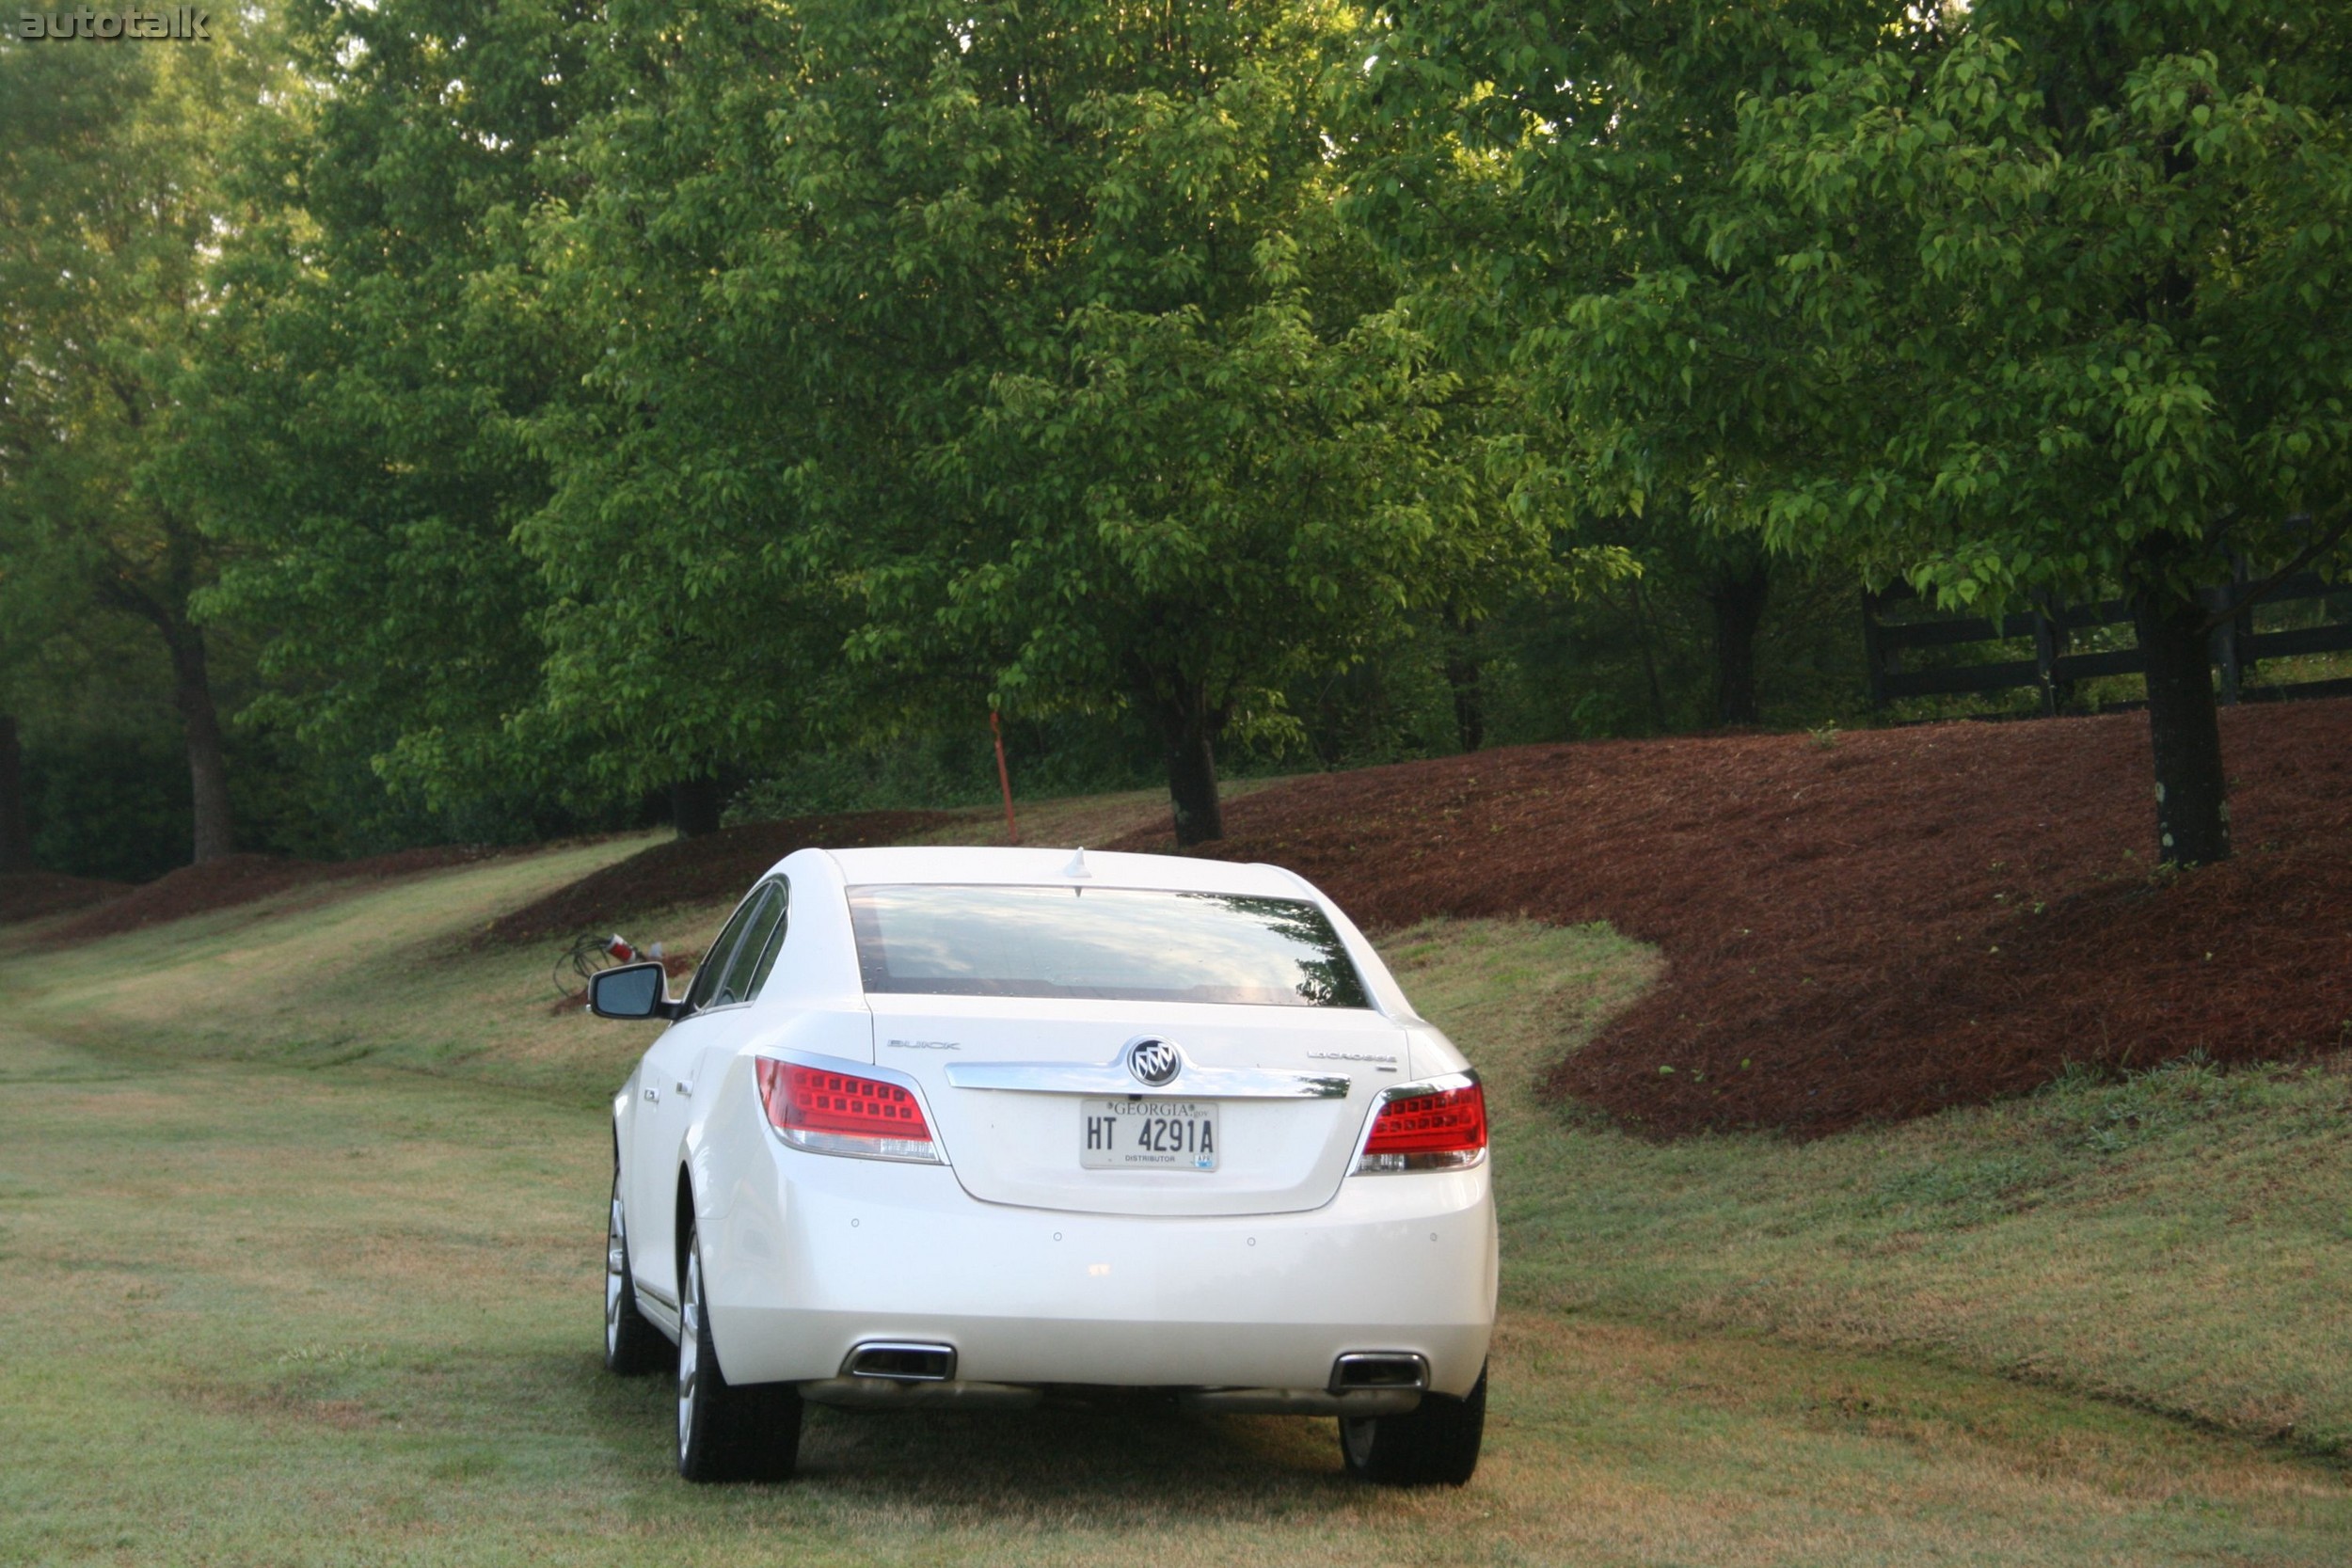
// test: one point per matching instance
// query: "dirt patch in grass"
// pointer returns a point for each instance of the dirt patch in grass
(277, 1407)
(240, 880)
(1876, 925)
(33, 895)
(705, 870)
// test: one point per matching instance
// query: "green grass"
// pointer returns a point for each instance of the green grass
(273, 1300)
(346, 973)
(389, 975)
(2177, 1240)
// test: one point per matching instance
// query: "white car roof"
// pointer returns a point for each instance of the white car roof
(1051, 867)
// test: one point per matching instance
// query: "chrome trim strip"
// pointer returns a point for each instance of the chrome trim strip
(662, 1317)
(1420, 1086)
(1114, 1082)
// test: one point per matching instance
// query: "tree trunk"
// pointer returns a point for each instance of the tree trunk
(215, 826)
(1190, 727)
(1470, 698)
(1649, 661)
(696, 806)
(2184, 732)
(16, 837)
(1738, 596)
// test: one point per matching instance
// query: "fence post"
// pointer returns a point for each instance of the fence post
(2045, 648)
(2224, 653)
(1873, 650)
(2231, 636)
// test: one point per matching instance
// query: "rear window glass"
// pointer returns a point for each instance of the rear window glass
(1115, 945)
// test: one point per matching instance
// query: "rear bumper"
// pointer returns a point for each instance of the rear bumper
(830, 1252)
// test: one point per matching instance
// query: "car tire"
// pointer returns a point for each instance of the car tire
(726, 1431)
(632, 1345)
(1436, 1444)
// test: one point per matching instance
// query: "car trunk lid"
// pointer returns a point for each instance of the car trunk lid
(1009, 1082)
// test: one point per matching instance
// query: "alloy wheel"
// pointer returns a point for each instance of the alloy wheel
(615, 1273)
(689, 1317)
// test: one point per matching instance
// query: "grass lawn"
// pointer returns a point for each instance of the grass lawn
(277, 1300)
(2180, 1240)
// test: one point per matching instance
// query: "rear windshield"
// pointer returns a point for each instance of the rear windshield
(1115, 945)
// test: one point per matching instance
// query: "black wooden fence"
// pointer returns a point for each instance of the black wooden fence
(2055, 666)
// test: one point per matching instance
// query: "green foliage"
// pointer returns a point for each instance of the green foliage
(114, 806)
(104, 202)
(370, 364)
(1559, 175)
(570, 399)
(2075, 275)
(2008, 297)
(111, 201)
(1017, 355)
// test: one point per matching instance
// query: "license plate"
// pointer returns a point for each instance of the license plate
(1148, 1134)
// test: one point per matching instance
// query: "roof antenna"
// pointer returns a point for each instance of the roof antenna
(1077, 866)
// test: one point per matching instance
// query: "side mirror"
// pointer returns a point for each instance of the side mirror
(631, 990)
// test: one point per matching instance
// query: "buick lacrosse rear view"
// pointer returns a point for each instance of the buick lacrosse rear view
(959, 1127)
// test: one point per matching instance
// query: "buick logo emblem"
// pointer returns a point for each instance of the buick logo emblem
(1154, 1062)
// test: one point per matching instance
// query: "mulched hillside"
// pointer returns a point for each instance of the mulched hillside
(32, 895)
(239, 879)
(706, 870)
(1877, 929)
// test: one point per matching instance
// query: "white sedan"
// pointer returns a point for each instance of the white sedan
(953, 1126)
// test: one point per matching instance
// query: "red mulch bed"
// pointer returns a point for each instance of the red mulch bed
(704, 870)
(32, 895)
(1906, 920)
(239, 879)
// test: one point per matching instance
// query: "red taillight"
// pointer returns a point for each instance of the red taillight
(1436, 1129)
(839, 1112)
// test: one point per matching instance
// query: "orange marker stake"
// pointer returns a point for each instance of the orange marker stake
(1004, 780)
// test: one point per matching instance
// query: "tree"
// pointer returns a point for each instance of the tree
(1017, 354)
(109, 202)
(739, 454)
(1731, 575)
(364, 385)
(1204, 509)
(16, 834)
(33, 616)
(2076, 275)
(1559, 176)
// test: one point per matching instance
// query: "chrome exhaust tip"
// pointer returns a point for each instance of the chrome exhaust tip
(898, 1361)
(1380, 1369)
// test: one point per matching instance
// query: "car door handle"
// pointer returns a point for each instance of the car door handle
(684, 1089)
(654, 1096)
